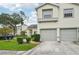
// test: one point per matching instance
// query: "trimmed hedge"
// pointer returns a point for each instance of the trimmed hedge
(23, 36)
(20, 40)
(36, 37)
(28, 39)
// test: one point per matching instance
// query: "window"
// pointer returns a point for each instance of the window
(47, 13)
(68, 12)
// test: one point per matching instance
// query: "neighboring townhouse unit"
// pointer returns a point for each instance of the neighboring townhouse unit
(32, 29)
(19, 29)
(58, 21)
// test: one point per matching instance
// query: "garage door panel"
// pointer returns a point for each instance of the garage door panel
(68, 34)
(48, 35)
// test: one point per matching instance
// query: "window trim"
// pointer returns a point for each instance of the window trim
(47, 9)
(72, 12)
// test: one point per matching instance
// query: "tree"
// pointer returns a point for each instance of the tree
(24, 17)
(17, 19)
(4, 19)
(5, 31)
(12, 20)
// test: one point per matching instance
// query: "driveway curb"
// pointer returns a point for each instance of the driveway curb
(31, 50)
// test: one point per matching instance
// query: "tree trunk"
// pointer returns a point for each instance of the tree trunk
(15, 30)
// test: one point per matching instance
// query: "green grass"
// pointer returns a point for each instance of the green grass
(13, 45)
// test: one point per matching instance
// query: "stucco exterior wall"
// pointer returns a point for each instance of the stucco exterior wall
(55, 10)
(69, 22)
(58, 12)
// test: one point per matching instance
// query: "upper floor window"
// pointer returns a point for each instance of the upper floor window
(47, 13)
(68, 12)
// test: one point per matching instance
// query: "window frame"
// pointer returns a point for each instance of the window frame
(72, 12)
(45, 10)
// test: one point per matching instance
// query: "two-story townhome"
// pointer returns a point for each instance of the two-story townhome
(58, 21)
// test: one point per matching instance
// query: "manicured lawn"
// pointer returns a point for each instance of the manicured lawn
(13, 45)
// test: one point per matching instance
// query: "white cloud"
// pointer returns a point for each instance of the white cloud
(13, 6)
(18, 7)
(32, 18)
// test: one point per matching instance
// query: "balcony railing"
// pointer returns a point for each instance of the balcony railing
(47, 19)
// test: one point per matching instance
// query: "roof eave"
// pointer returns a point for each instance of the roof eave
(45, 4)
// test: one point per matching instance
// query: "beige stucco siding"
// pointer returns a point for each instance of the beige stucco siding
(55, 10)
(69, 5)
(47, 25)
(69, 22)
(60, 24)
(58, 12)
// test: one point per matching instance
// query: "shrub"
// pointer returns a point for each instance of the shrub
(8, 37)
(28, 39)
(2, 38)
(23, 36)
(20, 40)
(22, 32)
(36, 37)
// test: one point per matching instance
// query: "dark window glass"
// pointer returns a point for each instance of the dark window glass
(68, 12)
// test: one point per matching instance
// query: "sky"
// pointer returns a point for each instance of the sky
(27, 8)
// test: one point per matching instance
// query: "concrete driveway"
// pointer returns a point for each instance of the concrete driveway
(55, 48)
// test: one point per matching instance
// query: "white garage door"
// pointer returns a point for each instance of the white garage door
(68, 34)
(48, 35)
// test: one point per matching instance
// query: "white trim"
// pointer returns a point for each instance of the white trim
(77, 33)
(58, 34)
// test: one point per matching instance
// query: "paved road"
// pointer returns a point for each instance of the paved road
(8, 52)
(48, 48)
(55, 48)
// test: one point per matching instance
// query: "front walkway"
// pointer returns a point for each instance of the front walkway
(55, 48)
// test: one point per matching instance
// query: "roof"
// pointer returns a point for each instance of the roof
(76, 3)
(55, 4)
(32, 26)
(22, 25)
